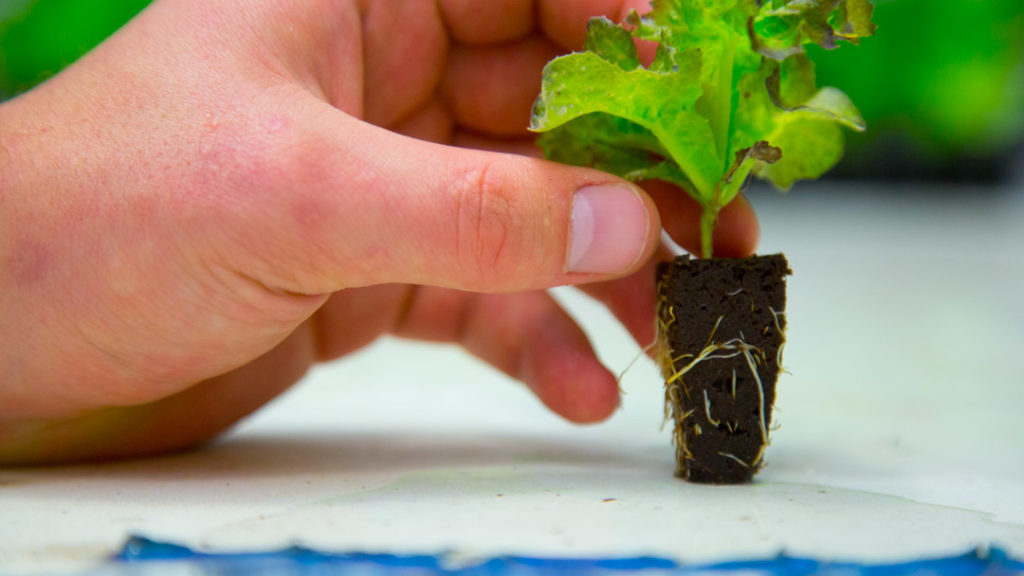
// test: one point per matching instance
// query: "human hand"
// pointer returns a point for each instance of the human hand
(221, 195)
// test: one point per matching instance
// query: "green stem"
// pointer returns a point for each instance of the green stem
(708, 217)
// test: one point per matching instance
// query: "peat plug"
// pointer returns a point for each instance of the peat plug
(721, 331)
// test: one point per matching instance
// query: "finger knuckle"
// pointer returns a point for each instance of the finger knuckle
(489, 224)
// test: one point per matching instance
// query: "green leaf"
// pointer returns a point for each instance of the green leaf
(661, 102)
(614, 145)
(796, 82)
(611, 42)
(730, 93)
(833, 104)
(811, 145)
(852, 21)
(783, 27)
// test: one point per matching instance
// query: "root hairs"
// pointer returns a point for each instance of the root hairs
(674, 382)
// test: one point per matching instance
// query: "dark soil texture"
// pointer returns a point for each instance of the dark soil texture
(721, 331)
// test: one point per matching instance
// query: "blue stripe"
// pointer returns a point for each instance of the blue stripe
(141, 554)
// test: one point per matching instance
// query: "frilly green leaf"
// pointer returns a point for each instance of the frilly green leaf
(611, 42)
(730, 93)
(811, 146)
(662, 103)
(783, 27)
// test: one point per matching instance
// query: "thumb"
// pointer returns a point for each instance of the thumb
(359, 205)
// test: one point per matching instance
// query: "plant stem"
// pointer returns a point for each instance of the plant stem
(708, 217)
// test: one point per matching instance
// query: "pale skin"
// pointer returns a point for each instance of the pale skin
(223, 194)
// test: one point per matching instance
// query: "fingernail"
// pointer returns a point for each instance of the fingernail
(609, 229)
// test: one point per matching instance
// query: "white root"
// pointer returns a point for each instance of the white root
(671, 400)
(732, 346)
(633, 362)
(775, 317)
(760, 405)
(711, 337)
(760, 393)
(734, 457)
(778, 326)
(707, 411)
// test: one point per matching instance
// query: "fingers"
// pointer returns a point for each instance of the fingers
(522, 146)
(495, 21)
(354, 205)
(404, 47)
(565, 21)
(525, 335)
(484, 59)
(492, 89)
(431, 123)
(737, 231)
(491, 22)
(632, 299)
(355, 317)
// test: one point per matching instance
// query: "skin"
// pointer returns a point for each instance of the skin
(220, 196)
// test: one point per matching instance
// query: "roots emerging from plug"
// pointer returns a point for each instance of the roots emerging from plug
(679, 398)
(719, 383)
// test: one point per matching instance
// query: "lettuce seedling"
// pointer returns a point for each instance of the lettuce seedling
(730, 93)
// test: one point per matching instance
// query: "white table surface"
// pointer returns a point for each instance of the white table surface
(902, 427)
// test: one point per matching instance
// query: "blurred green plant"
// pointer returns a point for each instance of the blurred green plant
(944, 77)
(38, 38)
